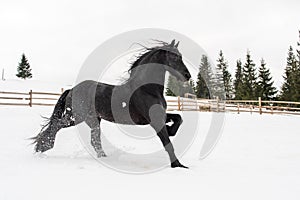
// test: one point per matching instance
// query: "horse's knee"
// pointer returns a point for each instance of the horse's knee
(92, 121)
(176, 118)
(177, 121)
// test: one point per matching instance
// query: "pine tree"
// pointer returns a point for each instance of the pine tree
(202, 90)
(297, 83)
(290, 76)
(171, 86)
(238, 82)
(178, 88)
(290, 89)
(217, 84)
(191, 87)
(24, 70)
(222, 65)
(203, 84)
(265, 88)
(249, 79)
(298, 50)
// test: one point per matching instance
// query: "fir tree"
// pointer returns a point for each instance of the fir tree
(172, 88)
(202, 90)
(238, 82)
(190, 88)
(297, 83)
(222, 66)
(178, 88)
(298, 52)
(249, 79)
(265, 88)
(24, 70)
(288, 87)
(203, 84)
(217, 84)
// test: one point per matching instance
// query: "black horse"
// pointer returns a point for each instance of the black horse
(138, 101)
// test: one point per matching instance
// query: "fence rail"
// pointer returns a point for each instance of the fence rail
(187, 103)
(238, 106)
(29, 98)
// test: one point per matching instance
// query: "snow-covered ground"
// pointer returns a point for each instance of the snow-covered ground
(13, 85)
(257, 157)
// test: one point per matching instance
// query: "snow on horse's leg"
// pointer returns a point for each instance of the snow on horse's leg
(94, 123)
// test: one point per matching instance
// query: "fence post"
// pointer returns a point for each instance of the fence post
(259, 104)
(178, 100)
(30, 98)
(238, 107)
(62, 90)
(271, 108)
(217, 104)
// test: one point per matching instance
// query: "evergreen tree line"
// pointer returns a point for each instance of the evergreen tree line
(249, 82)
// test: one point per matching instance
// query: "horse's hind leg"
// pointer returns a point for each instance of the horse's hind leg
(94, 124)
(46, 138)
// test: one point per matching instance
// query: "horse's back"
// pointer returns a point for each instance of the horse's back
(88, 95)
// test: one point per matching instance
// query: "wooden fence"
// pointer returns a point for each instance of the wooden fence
(238, 106)
(187, 103)
(30, 98)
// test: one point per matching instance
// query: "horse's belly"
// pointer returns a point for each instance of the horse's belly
(123, 118)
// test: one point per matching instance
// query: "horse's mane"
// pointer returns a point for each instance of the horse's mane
(145, 51)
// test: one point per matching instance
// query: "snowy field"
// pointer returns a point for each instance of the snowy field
(257, 157)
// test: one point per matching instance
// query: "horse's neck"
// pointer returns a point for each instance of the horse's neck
(150, 76)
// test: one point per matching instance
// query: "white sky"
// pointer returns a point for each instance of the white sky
(58, 35)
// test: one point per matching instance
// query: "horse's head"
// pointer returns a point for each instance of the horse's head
(173, 59)
(167, 55)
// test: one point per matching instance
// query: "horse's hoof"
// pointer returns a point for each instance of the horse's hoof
(43, 143)
(40, 148)
(176, 163)
(101, 154)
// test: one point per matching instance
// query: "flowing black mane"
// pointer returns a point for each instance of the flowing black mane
(142, 55)
(148, 51)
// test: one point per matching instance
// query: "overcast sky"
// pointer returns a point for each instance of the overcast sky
(58, 35)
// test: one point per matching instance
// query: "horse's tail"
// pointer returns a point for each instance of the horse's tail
(56, 116)
(60, 106)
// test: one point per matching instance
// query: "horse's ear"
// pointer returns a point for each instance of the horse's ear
(172, 43)
(176, 45)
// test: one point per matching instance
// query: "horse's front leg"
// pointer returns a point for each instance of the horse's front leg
(162, 133)
(177, 121)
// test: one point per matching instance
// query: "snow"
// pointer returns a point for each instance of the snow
(20, 85)
(257, 157)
